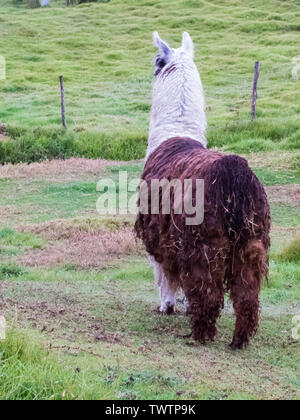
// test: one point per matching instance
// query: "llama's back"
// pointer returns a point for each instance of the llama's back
(177, 158)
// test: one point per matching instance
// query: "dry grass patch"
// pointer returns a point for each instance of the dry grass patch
(56, 230)
(86, 250)
(6, 212)
(56, 170)
(285, 194)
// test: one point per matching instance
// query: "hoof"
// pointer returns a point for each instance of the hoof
(238, 345)
(168, 309)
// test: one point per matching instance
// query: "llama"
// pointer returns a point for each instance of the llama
(228, 252)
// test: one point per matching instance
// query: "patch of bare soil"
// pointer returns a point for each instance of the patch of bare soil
(85, 250)
(285, 194)
(58, 320)
(11, 215)
(56, 170)
(6, 212)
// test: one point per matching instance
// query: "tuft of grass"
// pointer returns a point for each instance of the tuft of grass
(10, 270)
(291, 253)
(36, 145)
(16, 243)
(30, 373)
(257, 136)
(16, 239)
(115, 146)
(284, 282)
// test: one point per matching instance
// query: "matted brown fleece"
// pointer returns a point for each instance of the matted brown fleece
(227, 252)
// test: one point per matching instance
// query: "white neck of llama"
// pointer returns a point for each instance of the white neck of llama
(178, 102)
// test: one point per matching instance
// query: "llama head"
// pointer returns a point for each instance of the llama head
(167, 55)
(178, 103)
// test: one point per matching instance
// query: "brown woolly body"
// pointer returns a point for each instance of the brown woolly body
(227, 252)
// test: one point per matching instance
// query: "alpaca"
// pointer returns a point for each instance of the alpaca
(228, 251)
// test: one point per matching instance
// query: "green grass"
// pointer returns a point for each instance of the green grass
(41, 201)
(10, 237)
(14, 243)
(29, 373)
(284, 284)
(11, 270)
(273, 177)
(285, 215)
(78, 197)
(105, 56)
(40, 144)
(95, 334)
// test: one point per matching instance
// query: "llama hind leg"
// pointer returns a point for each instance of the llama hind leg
(245, 287)
(205, 294)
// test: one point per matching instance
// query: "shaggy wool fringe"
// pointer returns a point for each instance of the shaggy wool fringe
(227, 252)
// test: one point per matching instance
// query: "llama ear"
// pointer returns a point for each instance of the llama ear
(187, 44)
(162, 46)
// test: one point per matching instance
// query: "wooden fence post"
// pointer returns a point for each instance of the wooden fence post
(62, 101)
(254, 92)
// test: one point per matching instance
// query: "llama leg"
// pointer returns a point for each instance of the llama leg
(205, 295)
(245, 287)
(167, 290)
(186, 303)
(246, 307)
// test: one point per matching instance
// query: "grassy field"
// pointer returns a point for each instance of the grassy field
(104, 51)
(75, 288)
(80, 299)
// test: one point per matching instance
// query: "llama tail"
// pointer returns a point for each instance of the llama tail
(239, 198)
